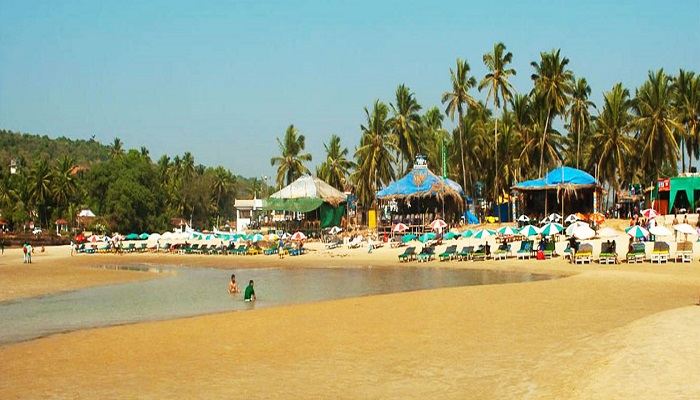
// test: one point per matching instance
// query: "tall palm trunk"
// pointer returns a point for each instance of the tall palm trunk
(495, 174)
(544, 136)
(461, 147)
(578, 144)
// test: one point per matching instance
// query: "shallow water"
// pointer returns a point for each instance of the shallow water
(183, 292)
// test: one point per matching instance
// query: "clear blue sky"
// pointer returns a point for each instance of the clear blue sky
(224, 79)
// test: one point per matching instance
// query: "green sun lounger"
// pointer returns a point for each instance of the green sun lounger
(408, 254)
(466, 253)
(449, 253)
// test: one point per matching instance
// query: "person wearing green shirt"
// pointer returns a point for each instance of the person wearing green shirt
(249, 292)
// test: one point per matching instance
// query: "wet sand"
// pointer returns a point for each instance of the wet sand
(607, 331)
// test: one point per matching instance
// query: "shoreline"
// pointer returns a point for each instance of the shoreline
(599, 333)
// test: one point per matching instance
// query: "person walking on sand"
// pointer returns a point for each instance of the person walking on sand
(24, 250)
(233, 286)
(249, 292)
(369, 243)
(29, 253)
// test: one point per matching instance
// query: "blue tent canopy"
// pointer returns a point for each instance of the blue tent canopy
(559, 177)
(421, 182)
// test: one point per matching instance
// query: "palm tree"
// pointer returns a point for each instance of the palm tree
(405, 123)
(553, 82)
(40, 185)
(457, 99)
(433, 137)
(222, 184)
(579, 114)
(188, 167)
(375, 155)
(290, 163)
(655, 121)
(499, 89)
(611, 137)
(116, 149)
(65, 186)
(335, 169)
(686, 105)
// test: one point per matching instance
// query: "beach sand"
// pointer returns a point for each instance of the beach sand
(606, 331)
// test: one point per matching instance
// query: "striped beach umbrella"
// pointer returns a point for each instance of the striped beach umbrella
(438, 224)
(507, 231)
(451, 235)
(298, 236)
(649, 213)
(529, 230)
(551, 229)
(484, 233)
(256, 237)
(400, 227)
(637, 231)
(467, 233)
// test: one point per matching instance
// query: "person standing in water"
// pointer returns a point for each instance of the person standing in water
(233, 286)
(249, 292)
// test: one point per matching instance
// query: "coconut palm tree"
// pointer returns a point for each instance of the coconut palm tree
(686, 105)
(611, 137)
(40, 185)
(433, 137)
(291, 161)
(553, 82)
(499, 88)
(522, 124)
(457, 99)
(116, 149)
(336, 168)
(579, 112)
(64, 185)
(188, 167)
(405, 123)
(375, 156)
(656, 122)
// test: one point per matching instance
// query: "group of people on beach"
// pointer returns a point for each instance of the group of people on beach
(248, 295)
(27, 250)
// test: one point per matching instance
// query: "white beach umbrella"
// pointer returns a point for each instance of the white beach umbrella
(554, 217)
(637, 231)
(154, 236)
(438, 224)
(298, 236)
(335, 229)
(584, 232)
(659, 230)
(167, 235)
(571, 228)
(571, 219)
(484, 233)
(507, 231)
(608, 232)
(400, 227)
(649, 213)
(684, 228)
(524, 218)
(529, 230)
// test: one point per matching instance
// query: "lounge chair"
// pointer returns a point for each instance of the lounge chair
(240, 250)
(466, 253)
(253, 251)
(449, 253)
(660, 253)
(550, 249)
(270, 250)
(192, 249)
(637, 254)
(396, 242)
(584, 253)
(408, 254)
(684, 252)
(502, 253)
(427, 254)
(525, 250)
(606, 255)
(480, 254)
(333, 243)
(355, 243)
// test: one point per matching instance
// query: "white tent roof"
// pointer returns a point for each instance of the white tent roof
(86, 213)
(309, 186)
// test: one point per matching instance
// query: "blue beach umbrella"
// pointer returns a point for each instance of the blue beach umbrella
(450, 235)
(484, 233)
(552, 229)
(426, 236)
(131, 236)
(144, 236)
(637, 231)
(407, 238)
(529, 230)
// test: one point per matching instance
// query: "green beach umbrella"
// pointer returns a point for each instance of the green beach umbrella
(131, 236)
(507, 231)
(450, 235)
(529, 230)
(552, 228)
(484, 233)
(426, 236)
(467, 233)
(144, 236)
(637, 231)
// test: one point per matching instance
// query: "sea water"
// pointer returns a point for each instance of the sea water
(183, 292)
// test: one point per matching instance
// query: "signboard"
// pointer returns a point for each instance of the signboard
(664, 185)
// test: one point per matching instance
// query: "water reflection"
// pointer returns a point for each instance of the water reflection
(185, 292)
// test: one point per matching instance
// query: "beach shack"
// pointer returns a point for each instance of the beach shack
(680, 194)
(312, 203)
(247, 210)
(419, 198)
(564, 190)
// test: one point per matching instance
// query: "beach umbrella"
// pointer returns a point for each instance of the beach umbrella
(400, 227)
(298, 236)
(580, 216)
(256, 237)
(467, 233)
(659, 230)
(451, 235)
(554, 217)
(335, 229)
(273, 237)
(144, 236)
(529, 230)
(598, 218)
(637, 231)
(79, 238)
(584, 232)
(154, 236)
(426, 236)
(484, 233)
(94, 239)
(438, 224)
(608, 232)
(507, 231)
(286, 235)
(572, 218)
(649, 213)
(571, 228)
(684, 228)
(524, 218)
(407, 238)
(551, 229)
(132, 236)
(167, 235)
